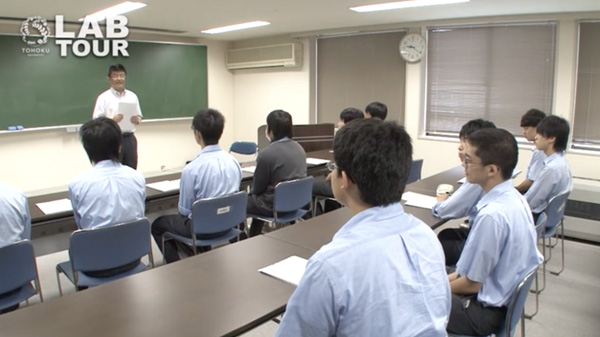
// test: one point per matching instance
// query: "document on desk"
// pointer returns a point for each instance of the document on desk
(55, 206)
(128, 110)
(165, 185)
(515, 173)
(419, 200)
(289, 270)
(316, 161)
(249, 169)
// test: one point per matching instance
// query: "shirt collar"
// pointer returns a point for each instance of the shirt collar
(118, 94)
(553, 157)
(106, 163)
(210, 148)
(284, 139)
(370, 215)
(494, 193)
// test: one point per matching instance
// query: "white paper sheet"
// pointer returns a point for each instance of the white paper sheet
(165, 185)
(419, 200)
(128, 110)
(316, 161)
(289, 270)
(55, 206)
(249, 169)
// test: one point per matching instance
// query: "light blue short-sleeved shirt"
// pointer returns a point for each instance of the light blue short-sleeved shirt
(108, 194)
(501, 247)
(383, 274)
(212, 173)
(460, 204)
(555, 178)
(15, 221)
(536, 164)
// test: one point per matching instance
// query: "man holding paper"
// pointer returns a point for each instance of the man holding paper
(123, 107)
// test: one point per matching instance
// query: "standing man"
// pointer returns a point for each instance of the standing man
(383, 273)
(212, 173)
(529, 123)
(501, 248)
(283, 160)
(117, 102)
(376, 110)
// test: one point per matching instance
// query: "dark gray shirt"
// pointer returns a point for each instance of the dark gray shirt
(282, 160)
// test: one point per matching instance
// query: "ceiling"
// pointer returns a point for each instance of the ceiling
(286, 16)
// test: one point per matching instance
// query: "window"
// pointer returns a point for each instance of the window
(586, 119)
(353, 71)
(491, 72)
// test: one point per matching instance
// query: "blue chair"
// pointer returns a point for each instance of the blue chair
(415, 171)
(514, 312)
(104, 248)
(555, 212)
(289, 201)
(17, 272)
(214, 218)
(248, 148)
(540, 225)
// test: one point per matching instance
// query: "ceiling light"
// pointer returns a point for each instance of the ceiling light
(122, 8)
(238, 26)
(403, 4)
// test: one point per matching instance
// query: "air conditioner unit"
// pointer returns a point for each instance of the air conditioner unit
(582, 213)
(281, 55)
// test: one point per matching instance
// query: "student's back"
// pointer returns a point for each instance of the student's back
(15, 221)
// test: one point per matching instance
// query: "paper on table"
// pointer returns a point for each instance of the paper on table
(515, 173)
(55, 206)
(128, 110)
(165, 185)
(316, 161)
(289, 270)
(419, 200)
(249, 169)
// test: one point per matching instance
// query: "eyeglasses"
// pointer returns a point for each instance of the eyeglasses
(192, 127)
(467, 161)
(331, 166)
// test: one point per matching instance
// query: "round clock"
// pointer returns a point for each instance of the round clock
(412, 47)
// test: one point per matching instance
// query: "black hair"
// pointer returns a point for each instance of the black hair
(557, 127)
(210, 124)
(349, 114)
(116, 68)
(376, 156)
(377, 110)
(280, 123)
(101, 138)
(532, 118)
(496, 147)
(473, 125)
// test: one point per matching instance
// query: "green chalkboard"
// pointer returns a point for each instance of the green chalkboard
(50, 90)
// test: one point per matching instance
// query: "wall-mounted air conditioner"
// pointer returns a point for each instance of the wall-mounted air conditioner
(281, 55)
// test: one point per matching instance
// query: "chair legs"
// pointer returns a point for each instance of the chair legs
(562, 248)
(58, 281)
(537, 299)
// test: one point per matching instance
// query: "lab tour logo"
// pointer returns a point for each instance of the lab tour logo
(89, 39)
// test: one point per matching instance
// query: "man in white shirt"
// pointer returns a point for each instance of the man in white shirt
(112, 104)
(529, 123)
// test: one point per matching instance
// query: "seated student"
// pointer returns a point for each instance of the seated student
(283, 160)
(461, 203)
(501, 247)
(15, 223)
(376, 110)
(529, 123)
(110, 193)
(383, 273)
(323, 187)
(213, 173)
(555, 177)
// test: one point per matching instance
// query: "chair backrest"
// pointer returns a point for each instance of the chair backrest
(215, 215)
(292, 195)
(243, 147)
(555, 211)
(517, 305)
(540, 224)
(415, 171)
(17, 265)
(110, 247)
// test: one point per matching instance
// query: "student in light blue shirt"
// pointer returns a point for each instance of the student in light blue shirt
(501, 247)
(383, 273)
(212, 173)
(461, 203)
(15, 221)
(555, 177)
(110, 193)
(529, 123)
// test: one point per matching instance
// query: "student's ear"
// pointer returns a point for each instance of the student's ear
(494, 170)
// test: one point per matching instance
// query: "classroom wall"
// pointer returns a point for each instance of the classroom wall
(39, 161)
